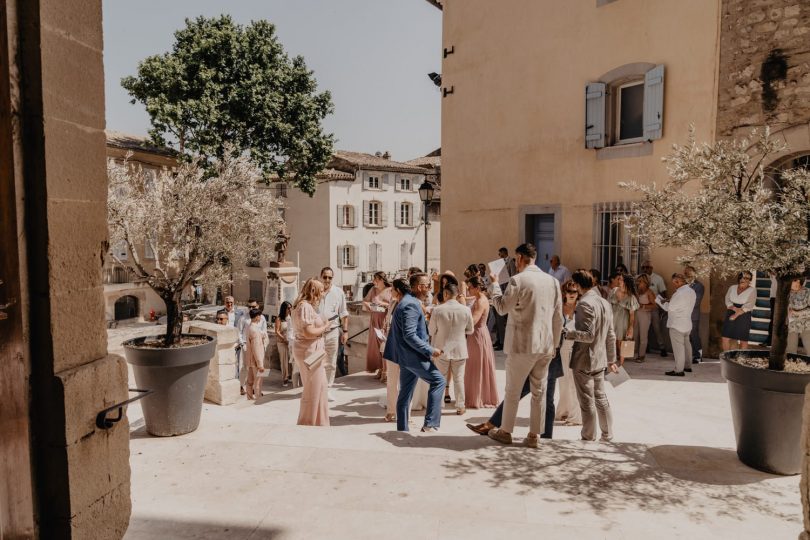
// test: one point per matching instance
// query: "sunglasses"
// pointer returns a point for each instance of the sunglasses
(326, 278)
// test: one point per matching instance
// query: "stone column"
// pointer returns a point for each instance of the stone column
(222, 387)
(81, 472)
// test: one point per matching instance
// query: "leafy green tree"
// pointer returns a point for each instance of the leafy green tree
(227, 84)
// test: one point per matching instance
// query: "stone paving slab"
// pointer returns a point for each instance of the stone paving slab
(250, 472)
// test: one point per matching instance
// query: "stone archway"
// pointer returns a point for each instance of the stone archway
(127, 307)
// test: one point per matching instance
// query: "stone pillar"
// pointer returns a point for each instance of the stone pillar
(81, 472)
(222, 387)
(804, 485)
(356, 352)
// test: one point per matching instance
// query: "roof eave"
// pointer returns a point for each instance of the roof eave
(436, 3)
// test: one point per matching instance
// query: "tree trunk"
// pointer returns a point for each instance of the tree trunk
(776, 361)
(174, 319)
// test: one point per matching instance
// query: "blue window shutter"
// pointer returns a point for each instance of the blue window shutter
(654, 103)
(595, 115)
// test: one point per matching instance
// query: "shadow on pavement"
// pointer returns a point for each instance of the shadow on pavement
(185, 528)
(613, 476)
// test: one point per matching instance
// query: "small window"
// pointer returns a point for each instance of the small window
(373, 182)
(406, 215)
(345, 216)
(630, 112)
(346, 256)
(374, 213)
(405, 184)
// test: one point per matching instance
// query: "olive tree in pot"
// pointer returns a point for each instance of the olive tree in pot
(198, 223)
(728, 212)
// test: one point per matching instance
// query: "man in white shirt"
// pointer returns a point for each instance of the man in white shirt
(558, 271)
(679, 323)
(657, 286)
(333, 307)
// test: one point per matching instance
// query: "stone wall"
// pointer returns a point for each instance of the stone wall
(764, 65)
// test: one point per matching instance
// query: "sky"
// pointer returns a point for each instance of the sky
(372, 55)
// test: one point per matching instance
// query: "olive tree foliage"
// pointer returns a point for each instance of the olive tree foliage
(728, 212)
(227, 84)
(201, 224)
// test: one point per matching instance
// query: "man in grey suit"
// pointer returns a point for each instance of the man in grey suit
(594, 351)
(533, 301)
(450, 324)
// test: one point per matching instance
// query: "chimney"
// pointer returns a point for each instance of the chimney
(387, 155)
(378, 153)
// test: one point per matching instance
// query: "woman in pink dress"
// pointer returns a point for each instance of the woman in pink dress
(480, 389)
(309, 328)
(376, 302)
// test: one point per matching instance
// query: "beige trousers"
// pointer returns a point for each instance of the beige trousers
(284, 359)
(454, 368)
(331, 342)
(518, 368)
(253, 384)
(594, 404)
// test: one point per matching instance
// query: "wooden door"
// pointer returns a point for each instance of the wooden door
(16, 500)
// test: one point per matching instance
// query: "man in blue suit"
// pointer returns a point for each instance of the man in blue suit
(408, 346)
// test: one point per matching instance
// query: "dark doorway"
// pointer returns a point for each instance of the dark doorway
(540, 232)
(126, 307)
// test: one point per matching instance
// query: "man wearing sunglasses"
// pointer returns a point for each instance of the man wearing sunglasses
(333, 308)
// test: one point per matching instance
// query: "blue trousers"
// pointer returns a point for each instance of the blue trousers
(408, 377)
(551, 411)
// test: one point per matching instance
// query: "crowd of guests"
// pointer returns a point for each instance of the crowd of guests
(560, 330)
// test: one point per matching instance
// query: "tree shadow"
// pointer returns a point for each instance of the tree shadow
(617, 476)
(654, 367)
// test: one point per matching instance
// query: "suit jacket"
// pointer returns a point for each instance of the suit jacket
(699, 289)
(407, 342)
(533, 301)
(594, 338)
(450, 324)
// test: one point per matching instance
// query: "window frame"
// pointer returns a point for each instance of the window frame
(378, 182)
(375, 214)
(615, 111)
(405, 210)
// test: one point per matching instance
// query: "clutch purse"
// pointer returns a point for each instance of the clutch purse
(314, 360)
(628, 348)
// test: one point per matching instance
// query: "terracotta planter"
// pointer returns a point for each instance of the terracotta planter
(767, 410)
(178, 378)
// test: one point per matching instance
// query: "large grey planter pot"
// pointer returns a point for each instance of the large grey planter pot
(177, 377)
(767, 410)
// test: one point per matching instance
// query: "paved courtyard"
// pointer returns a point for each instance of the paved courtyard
(250, 472)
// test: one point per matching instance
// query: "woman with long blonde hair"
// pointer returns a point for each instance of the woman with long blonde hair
(309, 328)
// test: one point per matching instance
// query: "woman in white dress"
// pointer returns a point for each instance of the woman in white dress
(568, 408)
(740, 301)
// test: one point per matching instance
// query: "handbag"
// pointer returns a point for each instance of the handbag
(315, 359)
(627, 349)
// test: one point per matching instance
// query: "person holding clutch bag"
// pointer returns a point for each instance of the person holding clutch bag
(309, 352)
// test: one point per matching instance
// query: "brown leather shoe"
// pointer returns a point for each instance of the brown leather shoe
(497, 434)
(481, 429)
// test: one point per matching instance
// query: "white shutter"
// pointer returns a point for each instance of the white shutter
(372, 257)
(403, 256)
(352, 221)
(365, 213)
(383, 214)
(397, 213)
(397, 180)
(595, 115)
(353, 256)
(410, 215)
(340, 256)
(379, 256)
(340, 211)
(386, 178)
(654, 103)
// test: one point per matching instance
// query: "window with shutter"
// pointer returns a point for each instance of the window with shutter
(366, 208)
(339, 258)
(351, 211)
(374, 214)
(595, 115)
(383, 214)
(654, 103)
(374, 257)
(340, 215)
(629, 112)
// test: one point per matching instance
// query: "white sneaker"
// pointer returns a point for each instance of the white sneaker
(331, 395)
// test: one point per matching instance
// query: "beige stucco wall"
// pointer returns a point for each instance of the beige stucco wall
(513, 128)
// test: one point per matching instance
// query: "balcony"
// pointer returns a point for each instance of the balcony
(118, 274)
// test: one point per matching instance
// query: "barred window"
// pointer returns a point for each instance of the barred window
(613, 242)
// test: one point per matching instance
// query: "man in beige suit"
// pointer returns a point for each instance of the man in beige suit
(450, 324)
(533, 301)
(594, 350)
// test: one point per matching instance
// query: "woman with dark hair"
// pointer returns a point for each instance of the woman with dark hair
(480, 386)
(568, 408)
(376, 302)
(445, 279)
(597, 282)
(740, 301)
(625, 304)
(399, 288)
(621, 269)
(283, 331)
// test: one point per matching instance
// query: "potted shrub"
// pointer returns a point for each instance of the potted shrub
(728, 212)
(199, 224)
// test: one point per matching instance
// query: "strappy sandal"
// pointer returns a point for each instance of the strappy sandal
(390, 417)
